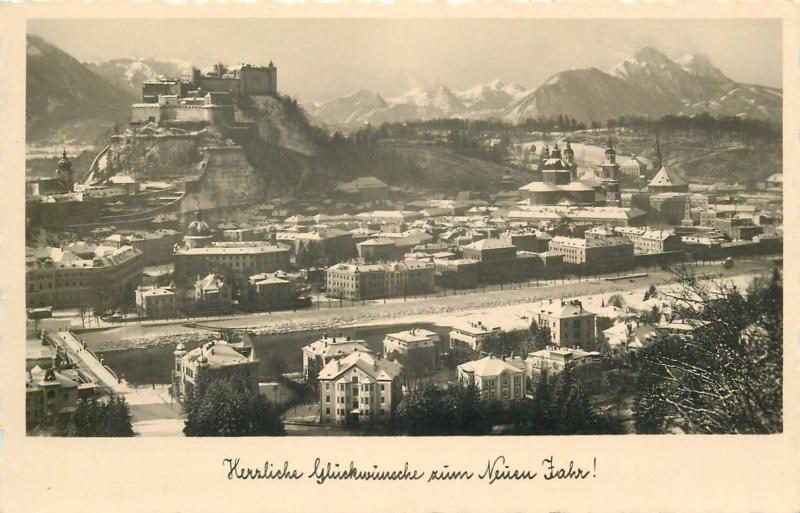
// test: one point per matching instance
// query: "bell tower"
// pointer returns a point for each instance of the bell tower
(609, 175)
(64, 171)
(657, 162)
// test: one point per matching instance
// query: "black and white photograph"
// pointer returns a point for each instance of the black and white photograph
(281, 227)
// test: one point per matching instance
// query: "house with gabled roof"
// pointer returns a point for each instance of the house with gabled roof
(359, 386)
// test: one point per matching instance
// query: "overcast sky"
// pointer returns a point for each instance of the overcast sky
(319, 59)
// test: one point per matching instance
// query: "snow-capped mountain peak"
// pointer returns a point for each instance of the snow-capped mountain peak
(436, 96)
(648, 83)
(645, 60)
(496, 94)
(700, 66)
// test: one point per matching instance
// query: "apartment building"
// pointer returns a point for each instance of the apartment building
(359, 386)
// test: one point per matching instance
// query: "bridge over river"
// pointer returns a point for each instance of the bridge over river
(86, 359)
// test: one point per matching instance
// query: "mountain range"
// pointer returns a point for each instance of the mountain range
(648, 83)
(65, 101)
(130, 74)
(425, 102)
(72, 101)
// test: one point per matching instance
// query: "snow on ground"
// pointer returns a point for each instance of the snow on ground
(154, 412)
(507, 306)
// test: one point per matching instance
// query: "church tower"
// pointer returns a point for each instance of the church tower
(687, 214)
(569, 157)
(64, 171)
(657, 162)
(609, 175)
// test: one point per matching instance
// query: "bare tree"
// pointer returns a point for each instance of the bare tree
(725, 374)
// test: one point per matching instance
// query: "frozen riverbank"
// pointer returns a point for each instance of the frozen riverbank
(505, 307)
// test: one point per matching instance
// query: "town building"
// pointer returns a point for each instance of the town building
(667, 207)
(319, 353)
(157, 247)
(389, 217)
(553, 360)
(499, 261)
(456, 274)
(532, 240)
(634, 166)
(658, 241)
(319, 247)
(216, 359)
(469, 338)
(50, 396)
(268, 292)
(372, 251)
(155, 302)
(242, 258)
(495, 378)
(359, 386)
(375, 281)
(61, 279)
(417, 349)
(212, 292)
(595, 256)
(630, 335)
(610, 215)
(570, 324)
(365, 188)
(736, 227)
(667, 180)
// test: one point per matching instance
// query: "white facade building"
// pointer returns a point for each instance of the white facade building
(358, 386)
(496, 378)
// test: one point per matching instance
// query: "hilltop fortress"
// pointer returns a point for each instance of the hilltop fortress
(205, 98)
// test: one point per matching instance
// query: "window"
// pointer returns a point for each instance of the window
(327, 411)
(383, 387)
(383, 400)
(327, 398)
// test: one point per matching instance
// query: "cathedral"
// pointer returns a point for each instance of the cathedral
(560, 184)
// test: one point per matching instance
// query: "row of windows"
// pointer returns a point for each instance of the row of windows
(342, 412)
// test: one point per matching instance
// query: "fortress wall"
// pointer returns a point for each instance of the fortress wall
(230, 85)
(143, 112)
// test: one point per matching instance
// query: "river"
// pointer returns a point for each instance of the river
(144, 366)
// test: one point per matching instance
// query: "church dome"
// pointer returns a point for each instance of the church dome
(198, 227)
